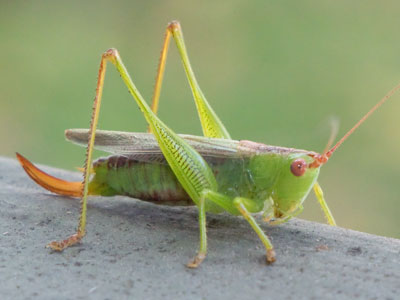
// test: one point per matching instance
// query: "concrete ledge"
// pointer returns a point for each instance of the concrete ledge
(136, 250)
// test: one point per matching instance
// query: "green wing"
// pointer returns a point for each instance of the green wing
(144, 146)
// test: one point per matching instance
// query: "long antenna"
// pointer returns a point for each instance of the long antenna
(383, 100)
(320, 159)
(334, 122)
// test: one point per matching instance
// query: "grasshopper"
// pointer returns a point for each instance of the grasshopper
(214, 172)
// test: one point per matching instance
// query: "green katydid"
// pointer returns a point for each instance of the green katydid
(213, 172)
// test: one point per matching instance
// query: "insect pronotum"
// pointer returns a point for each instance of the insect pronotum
(213, 172)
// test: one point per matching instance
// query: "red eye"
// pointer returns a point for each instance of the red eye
(298, 167)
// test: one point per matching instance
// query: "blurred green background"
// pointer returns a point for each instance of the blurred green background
(274, 71)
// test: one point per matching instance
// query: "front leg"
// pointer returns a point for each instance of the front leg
(286, 218)
(327, 212)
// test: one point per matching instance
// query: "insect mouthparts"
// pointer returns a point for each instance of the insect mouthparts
(319, 159)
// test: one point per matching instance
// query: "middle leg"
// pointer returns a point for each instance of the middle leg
(240, 204)
(245, 207)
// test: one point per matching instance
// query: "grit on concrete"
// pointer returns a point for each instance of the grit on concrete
(136, 250)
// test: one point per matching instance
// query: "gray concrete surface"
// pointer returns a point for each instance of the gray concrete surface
(136, 250)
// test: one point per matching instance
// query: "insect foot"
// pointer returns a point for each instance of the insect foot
(196, 261)
(60, 246)
(270, 256)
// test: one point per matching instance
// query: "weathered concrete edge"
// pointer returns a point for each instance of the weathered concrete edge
(371, 263)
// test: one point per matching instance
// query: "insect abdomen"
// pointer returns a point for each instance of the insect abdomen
(153, 180)
(149, 181)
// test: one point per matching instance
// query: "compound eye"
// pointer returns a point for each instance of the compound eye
(298, 167)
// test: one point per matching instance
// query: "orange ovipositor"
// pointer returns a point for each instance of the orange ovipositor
(51, 183)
